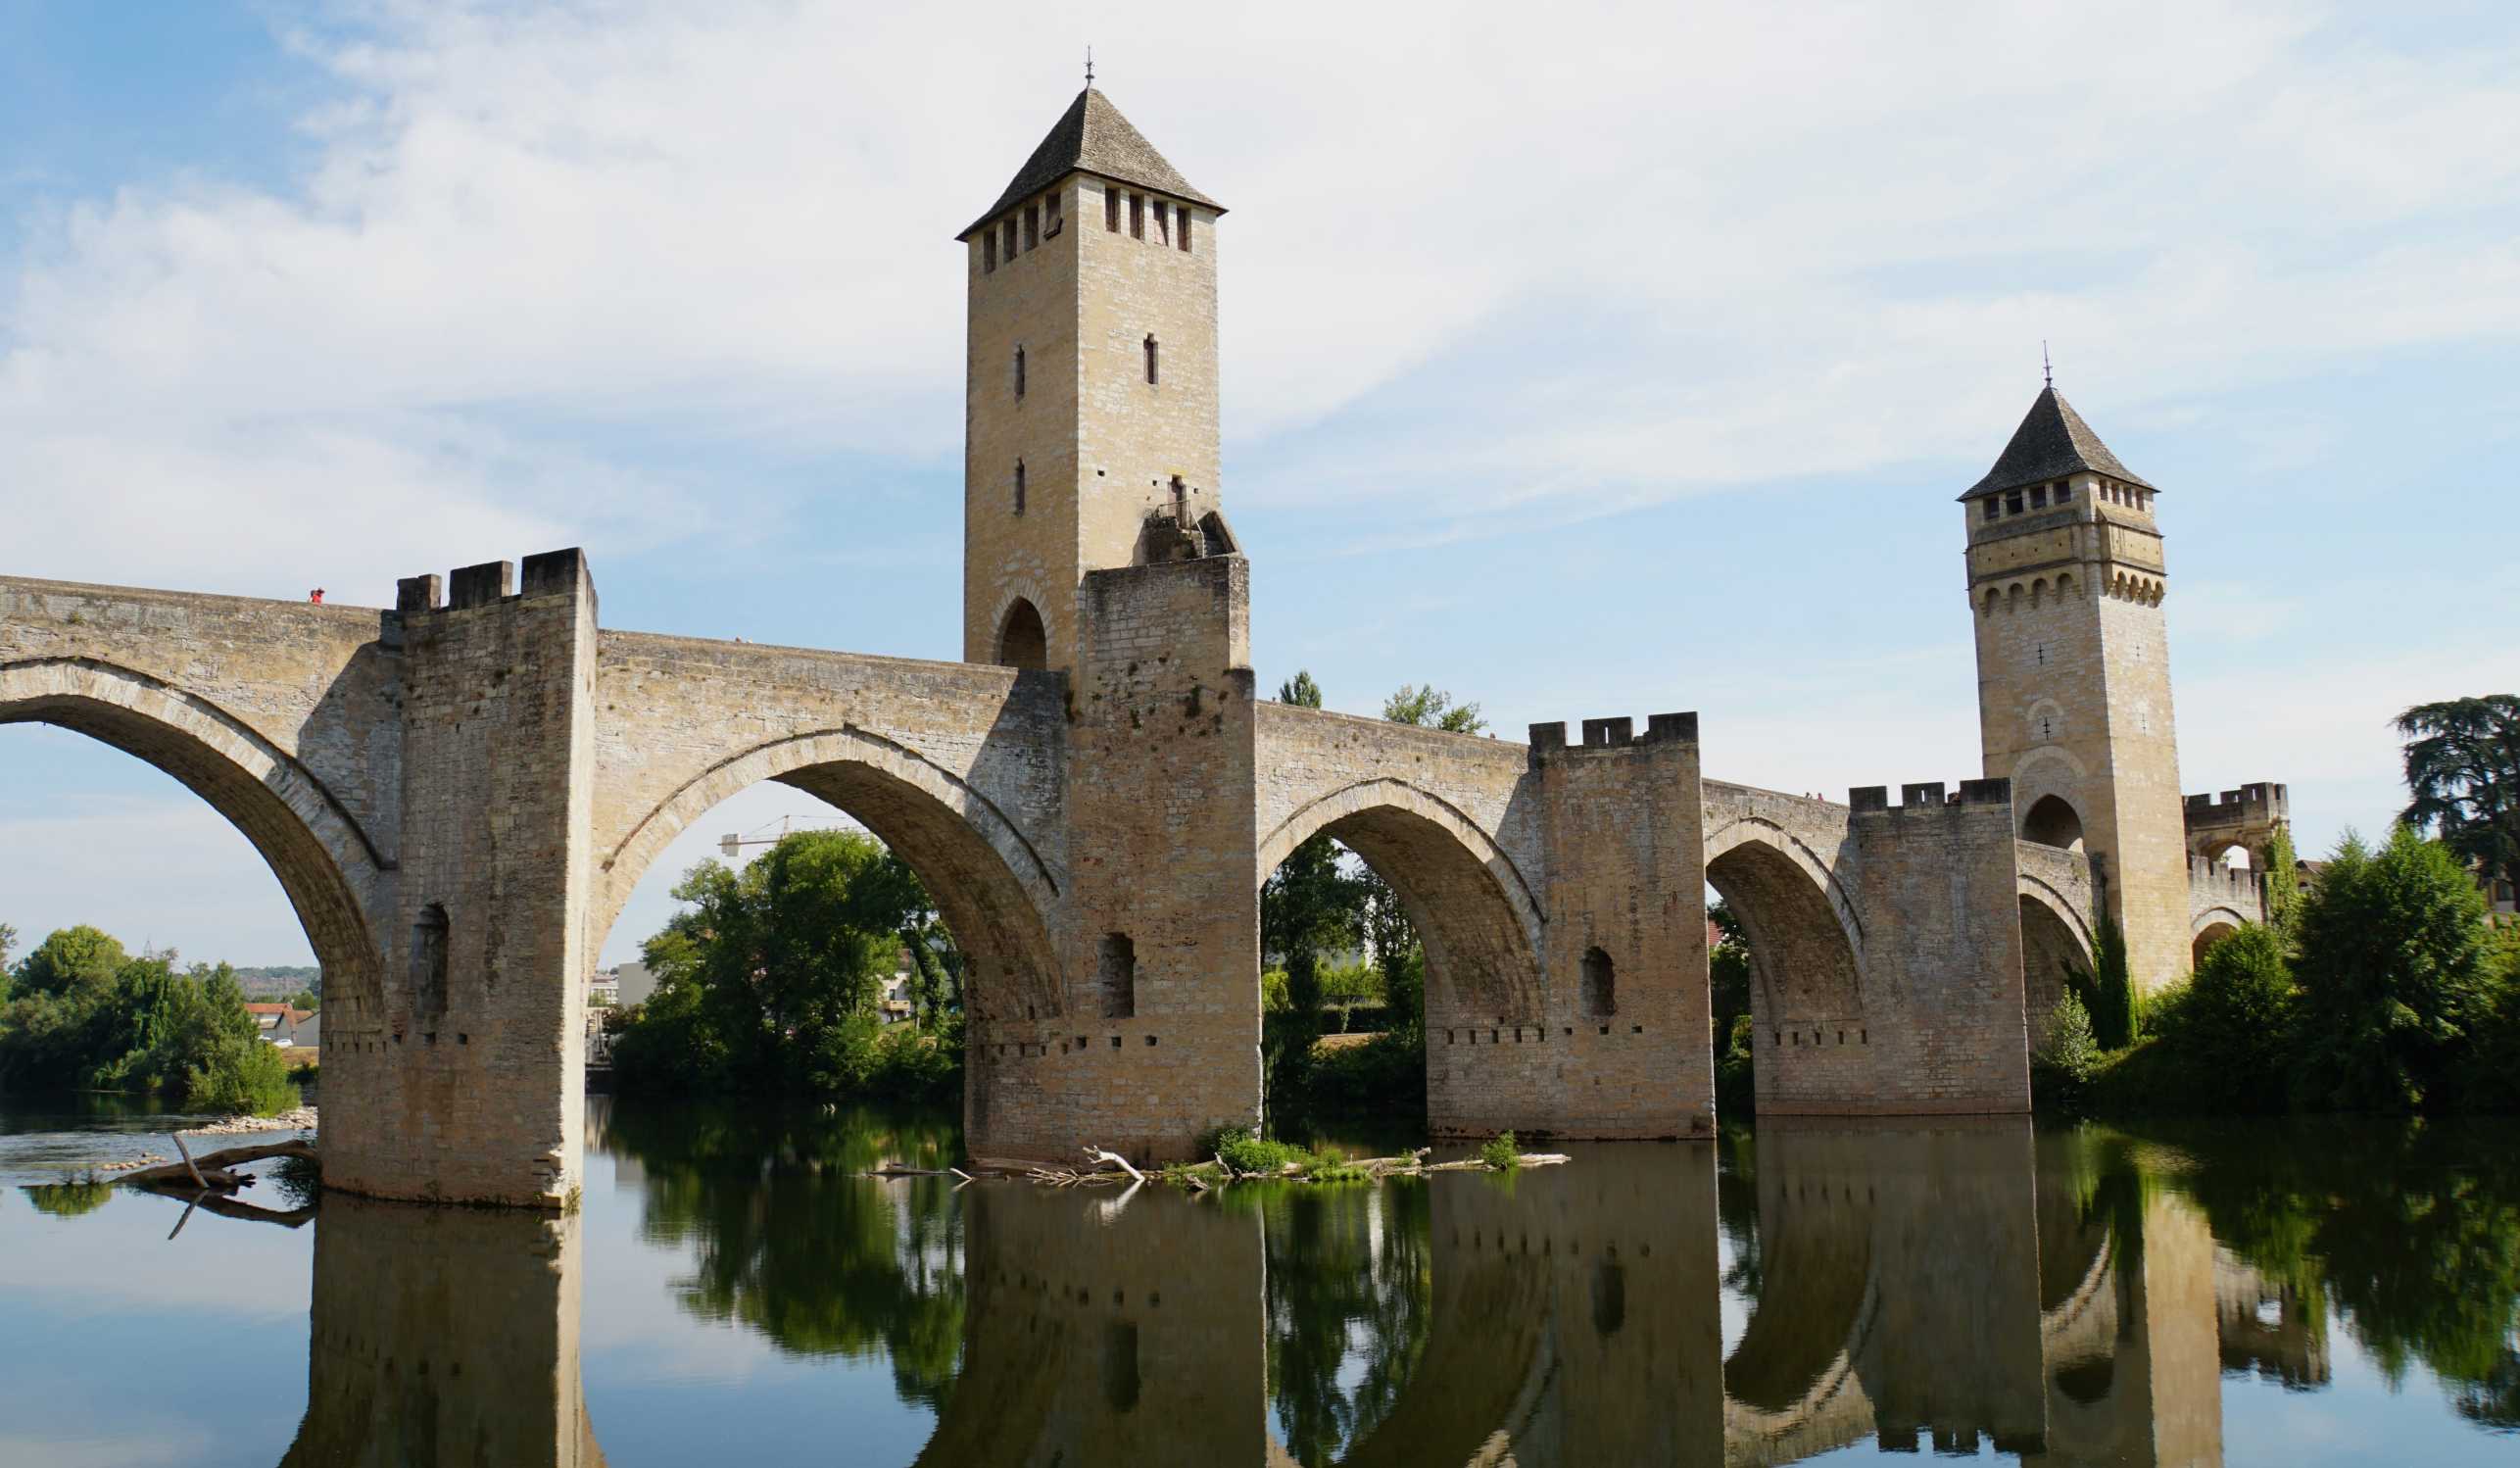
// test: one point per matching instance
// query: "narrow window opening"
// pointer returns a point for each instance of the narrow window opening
(1019, 486)
(1136, 216)
(1163, 223)
(1151, 361)
(2013, 502)
(1600, 983)
(428, 964)
(988, 252)
(1009, 239)
(1182, 236)
(1111, 209)
(2038, 496)
(1992, 508)
(1031, 225)
(1118, 977)
(1051, 222)
(1019, 372)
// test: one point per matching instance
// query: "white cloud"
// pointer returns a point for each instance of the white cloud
(1686, 248)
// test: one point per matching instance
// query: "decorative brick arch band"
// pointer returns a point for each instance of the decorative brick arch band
(992, 885)
(331, 872)
(1470, 903)
(2037, 890)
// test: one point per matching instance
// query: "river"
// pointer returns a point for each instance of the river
(734, 1292)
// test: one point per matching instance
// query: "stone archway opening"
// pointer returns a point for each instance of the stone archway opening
(2050, 951)
(1023, 640)
(2052, 820)
(2208, 937)
(1005, 976)
(1808, 1025)
(1478, 988)
(324, 866)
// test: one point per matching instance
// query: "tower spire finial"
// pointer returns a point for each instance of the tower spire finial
(2046, 368)
(1088, 66)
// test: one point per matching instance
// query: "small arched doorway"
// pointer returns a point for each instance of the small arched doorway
(2051, 821)
(1023, 642)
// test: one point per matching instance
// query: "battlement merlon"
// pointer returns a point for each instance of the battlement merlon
(1548, 741)
(1933, 795)
(549, 573)
(2247, 817)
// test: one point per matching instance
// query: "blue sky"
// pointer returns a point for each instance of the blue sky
(1608, 367)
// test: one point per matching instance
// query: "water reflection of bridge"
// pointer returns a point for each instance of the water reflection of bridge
(1948, 1288)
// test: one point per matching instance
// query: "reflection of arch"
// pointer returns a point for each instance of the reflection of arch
(322, 858)
(1804, 940)
(1023, 642)
(1469, 902)
(988, 882)
(2052, 820)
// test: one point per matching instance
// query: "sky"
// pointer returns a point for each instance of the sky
(1586, 362)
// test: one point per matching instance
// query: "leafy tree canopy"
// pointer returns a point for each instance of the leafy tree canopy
(71, 959)
(2464, 771)
(1430, 707)
(2393, 970)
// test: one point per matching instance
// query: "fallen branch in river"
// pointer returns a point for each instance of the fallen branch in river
(211, 1172)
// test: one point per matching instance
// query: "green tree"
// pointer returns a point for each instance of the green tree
(1310, 904)
(2235, 1027)
(769, 979)
(304, 998)
(8, 945)
(2107, 988)
(2464, 771)
(1300, 690)
(71, 959)
(1432, 707)
(2283, 886)
(2394, 971)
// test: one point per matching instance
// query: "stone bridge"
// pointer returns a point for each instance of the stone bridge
(460, 793)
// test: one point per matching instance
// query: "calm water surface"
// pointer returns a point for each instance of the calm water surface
(733, 1293)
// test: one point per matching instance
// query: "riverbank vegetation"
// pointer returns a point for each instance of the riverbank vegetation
(79, 1012)
(2382, 989)
(771, 980)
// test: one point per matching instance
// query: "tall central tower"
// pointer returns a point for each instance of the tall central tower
(2065, 582)
(1089, 433)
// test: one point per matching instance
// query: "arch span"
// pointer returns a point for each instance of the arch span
(2054, 937)
(1470, 906)
(2210, 927)
(326, 864)
(1761, 831)
(988, 879)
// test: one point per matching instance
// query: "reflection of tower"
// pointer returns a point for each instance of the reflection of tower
(1106, 1330)
(444, 1334)
(2066, 583)
(2128, 1322)
(1091, 384)
(1900, 1296)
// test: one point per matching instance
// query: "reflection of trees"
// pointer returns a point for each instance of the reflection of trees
(1350, 1276)
(2412, 1235)
(792, 1242)
(70, 1198)
(1737, 1206)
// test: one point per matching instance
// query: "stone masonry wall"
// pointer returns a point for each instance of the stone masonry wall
(1627, 863)
(1942, 962)
(1160, 1038)
(485, 979)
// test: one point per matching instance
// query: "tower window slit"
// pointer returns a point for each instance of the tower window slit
(2038, 496)
(1151, 363)
(1009, 239)
(1031, 225)
(1163, 223)
(1019, 486)
(1994, 508)
(1050, 219)
(988, 251)
(1019, 372)
(1136, 216)
(1182, 232)
(1111, 209)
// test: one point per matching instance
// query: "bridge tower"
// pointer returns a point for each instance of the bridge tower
(1091, 388)
(2066, 583)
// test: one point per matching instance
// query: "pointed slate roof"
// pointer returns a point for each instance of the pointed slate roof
(1093, 138)
(2052, 442)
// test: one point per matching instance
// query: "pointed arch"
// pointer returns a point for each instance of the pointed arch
(331, 870)
(1023, 641)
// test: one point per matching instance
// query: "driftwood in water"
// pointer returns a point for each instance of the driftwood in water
(210, 1172)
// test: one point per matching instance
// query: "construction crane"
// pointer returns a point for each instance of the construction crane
(733, 843)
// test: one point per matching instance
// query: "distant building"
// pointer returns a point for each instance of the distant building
(279, 1024)
(633, 983)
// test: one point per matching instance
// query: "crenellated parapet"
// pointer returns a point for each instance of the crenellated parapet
(2247, 817)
